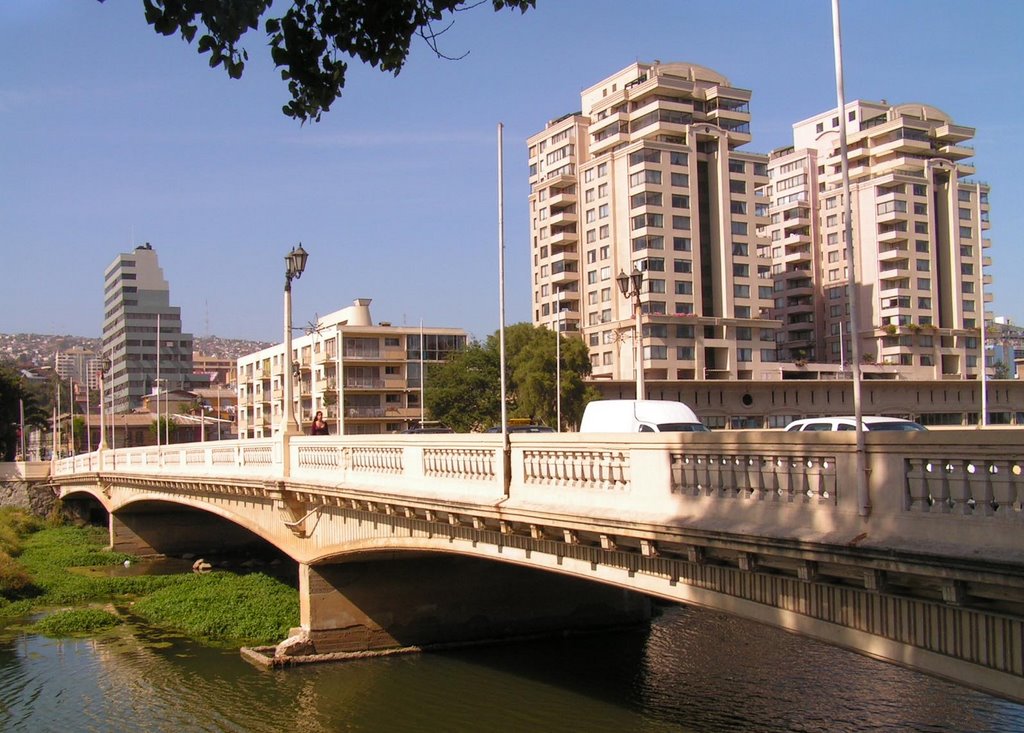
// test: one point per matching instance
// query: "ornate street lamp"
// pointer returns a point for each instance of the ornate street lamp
(295, 263)
(104, 368)
(630, 285)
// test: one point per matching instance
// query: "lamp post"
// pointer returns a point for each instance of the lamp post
(630, 286)
(558, 362)
(295, 263)
(104, 368)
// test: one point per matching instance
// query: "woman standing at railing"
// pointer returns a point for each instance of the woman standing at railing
(319, 425)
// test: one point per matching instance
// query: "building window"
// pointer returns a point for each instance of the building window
(682, 244)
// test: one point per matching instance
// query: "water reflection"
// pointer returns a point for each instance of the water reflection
(693, 671)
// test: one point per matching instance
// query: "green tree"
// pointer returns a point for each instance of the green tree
(163, 426)
(16, 396)
(465, 392)
(308, 42)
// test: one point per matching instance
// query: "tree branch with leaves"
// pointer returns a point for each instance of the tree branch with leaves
(310, 41)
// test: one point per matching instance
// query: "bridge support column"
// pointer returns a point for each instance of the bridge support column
(404, 601)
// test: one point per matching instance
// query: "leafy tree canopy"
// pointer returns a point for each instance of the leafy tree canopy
(465, 392)
(309, 39)
(15, 396)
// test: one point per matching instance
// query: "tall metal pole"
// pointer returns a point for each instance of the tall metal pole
(639, 344)
(558, 365)
(863, 495)
(103, 413)
(501, 293)
(981, 297)
(157, 380)
(288, 424)
(21, 427)
(423, 377)
(71, 412)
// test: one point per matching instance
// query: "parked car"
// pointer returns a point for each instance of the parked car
(512, 428)
(871, 422)
(640, 416)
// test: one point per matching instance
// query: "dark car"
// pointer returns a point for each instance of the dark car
(522, 429)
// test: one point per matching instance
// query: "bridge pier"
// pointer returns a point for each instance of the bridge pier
(424, 600)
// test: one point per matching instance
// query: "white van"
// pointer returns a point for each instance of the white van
(639, 416)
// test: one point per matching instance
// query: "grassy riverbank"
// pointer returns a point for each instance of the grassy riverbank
(37, 562)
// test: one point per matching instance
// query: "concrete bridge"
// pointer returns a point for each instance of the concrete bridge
(436, 539)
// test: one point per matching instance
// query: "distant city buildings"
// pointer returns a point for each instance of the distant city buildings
(365, 378)
(743, 254)
(78, 365)
(142, 333)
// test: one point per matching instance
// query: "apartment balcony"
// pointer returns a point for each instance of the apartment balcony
(563, 237)
(562, 197)
(798, 203)
(323, 357)
(964, 170)
(903, 145)
(895, 291)
(894, 269)
(956, 152)
(891, 216)
(797, 255)
(892, 235)
(893, 254)
(364, 383)
(795, 239)
(261, 374)
(277, 393)
(797, 217)
(951, 133)
(564, 177)
(564, 258)
(796, 339)
(560, 217)
(564, 277)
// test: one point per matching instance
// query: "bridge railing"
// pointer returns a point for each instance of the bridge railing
(941, 491)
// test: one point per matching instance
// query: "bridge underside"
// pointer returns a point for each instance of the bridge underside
(404, 599)
(163, 528)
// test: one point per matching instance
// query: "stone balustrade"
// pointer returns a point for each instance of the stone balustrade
(955, 492)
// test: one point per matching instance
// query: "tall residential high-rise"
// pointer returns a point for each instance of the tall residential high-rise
(648, 175)
(917, 224)
(136, 300)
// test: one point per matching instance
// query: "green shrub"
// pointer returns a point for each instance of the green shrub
(250, 609)
(75, 622)
(10, 542)
(14, 579)
(20, 521)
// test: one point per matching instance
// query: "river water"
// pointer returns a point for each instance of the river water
(693, 670)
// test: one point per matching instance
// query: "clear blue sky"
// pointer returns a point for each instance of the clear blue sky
(114, 136)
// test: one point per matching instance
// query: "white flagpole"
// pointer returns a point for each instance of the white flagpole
(863, 497)
(981, 297)
(501, 291)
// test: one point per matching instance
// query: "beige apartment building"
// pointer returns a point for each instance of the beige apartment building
(649, 176)
(918, 224)
(365, 378)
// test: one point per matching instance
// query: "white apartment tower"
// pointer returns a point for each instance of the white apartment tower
(136, 304)
(366, 379)
(917, 223)
(648, 175)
